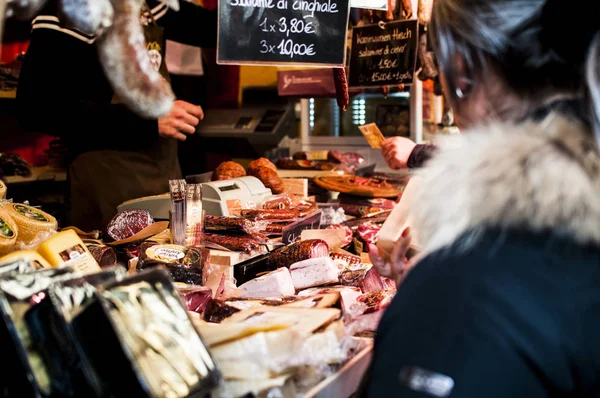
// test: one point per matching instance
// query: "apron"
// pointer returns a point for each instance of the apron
(101, 180)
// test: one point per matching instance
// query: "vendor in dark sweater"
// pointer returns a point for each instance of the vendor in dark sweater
(114, 155)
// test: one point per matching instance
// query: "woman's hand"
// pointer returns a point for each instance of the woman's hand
(396, 151)
(398, 265)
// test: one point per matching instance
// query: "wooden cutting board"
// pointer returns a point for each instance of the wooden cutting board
(358, 186)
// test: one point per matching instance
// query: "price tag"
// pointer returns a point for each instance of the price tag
(282, 32)
(291, 233)
(384, 54)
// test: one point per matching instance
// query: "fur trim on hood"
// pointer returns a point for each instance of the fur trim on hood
(533, 176)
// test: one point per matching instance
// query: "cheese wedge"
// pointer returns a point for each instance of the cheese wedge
(219, 333)
(303, 320)
(67, 249)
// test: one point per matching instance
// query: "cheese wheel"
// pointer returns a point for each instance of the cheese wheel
(29, 256)
(9, 232)
(30, 221)
(67, 249)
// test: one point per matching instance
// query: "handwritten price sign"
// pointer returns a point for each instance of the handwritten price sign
(384, 55)
(282, 32)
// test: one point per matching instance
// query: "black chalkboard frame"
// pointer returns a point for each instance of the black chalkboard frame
(383, 26)
(291, 63)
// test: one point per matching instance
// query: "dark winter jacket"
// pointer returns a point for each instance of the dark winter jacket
(506, 300)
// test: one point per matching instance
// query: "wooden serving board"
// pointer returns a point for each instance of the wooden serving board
(346, 184)
(304, 173)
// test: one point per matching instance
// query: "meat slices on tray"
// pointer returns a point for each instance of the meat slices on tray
(364, 276)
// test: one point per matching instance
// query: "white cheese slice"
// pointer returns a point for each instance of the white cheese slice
(314, 272)
(274, 284)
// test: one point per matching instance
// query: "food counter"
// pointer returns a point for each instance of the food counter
(272, 292)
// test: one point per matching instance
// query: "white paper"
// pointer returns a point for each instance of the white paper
(371, 4)
(183, 59)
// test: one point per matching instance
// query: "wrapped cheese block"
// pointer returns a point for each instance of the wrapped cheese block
(23, 260)
(185, 264)
(67, 249)
(29, 221)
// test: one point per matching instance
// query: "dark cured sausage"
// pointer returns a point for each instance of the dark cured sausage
(235, 243)
(341, 88)
(215, 223)
(299, 251)
(283, 214)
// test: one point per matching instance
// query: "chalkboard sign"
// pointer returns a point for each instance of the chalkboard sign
(292, 232)
(282, 32)
(384, 54)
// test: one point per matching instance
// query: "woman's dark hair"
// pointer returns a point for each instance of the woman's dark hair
(541, 49)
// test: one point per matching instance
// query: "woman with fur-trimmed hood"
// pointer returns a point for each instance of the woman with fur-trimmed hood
(505, 301)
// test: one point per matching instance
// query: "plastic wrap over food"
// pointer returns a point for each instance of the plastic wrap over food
(195, 298)
(40, 238)
(218, 279)
(144, 315)
(281, 201)
(71, 295)
(127, 223)
(233, 224)
(348, 230)
(49, 326)
(368, 232)
(185, 264)
(331, 216)
(20, 266)
(371, 302)
(25, 373)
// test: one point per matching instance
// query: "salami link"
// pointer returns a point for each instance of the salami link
(407, 8)
(341, 87)
(299, 251)
(215, 223)
(127, 66)
(424, 12)
(235, 243)
(428, 68)
(271, 214)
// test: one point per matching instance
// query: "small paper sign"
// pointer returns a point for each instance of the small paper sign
(292, 232)
(333, 237)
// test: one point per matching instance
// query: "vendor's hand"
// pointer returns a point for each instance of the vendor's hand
(182, 120)
(398, 265)
(396, 151)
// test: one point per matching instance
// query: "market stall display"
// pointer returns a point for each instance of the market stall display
(282, 317)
